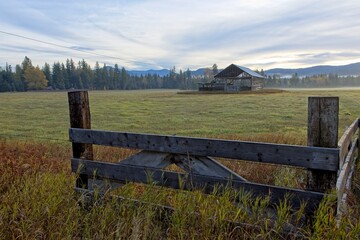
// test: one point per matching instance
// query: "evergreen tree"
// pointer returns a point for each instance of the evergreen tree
(47, 71)
(57, 76)
(104, 78)
(187, 79)
(2, 85)
(65, 76)
(215, 69)
(97, 77)
(111, 80)
(6, 79)
(19, 84)
(124, 79)
(72, 74)
(118, 83)
(26, 63)
(86, 75)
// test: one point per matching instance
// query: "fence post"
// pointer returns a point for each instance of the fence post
(323, 121)
(80, 118)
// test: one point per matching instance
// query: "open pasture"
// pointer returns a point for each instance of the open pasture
(44, 115)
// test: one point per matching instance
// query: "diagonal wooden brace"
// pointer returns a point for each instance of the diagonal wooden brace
(191, 164)
(149, 159)
(206, 166)
(141, 159)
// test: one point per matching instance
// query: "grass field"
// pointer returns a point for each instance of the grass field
(45, 115)
(36, 196)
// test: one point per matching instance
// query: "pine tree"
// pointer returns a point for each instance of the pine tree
(124, 79)
(104, 78)
(47, 71)
(215, 69)
(57, 76)
(19, 84)
(187, 78)
(6, 79)
(65, 76)
(118, 84)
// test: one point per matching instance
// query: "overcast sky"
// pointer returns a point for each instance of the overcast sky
(149, 34)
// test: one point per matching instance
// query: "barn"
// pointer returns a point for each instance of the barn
(234, 78)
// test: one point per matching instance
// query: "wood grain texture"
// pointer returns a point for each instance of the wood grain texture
(344, 143)
(300, 156)
(79, 111)
(323, 122)
(205, 166)
(149, 159)
(191, 164)
(345, 170)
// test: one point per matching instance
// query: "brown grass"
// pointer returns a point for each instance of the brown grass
(37, 202)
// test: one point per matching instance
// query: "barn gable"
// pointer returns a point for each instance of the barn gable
(237, 72)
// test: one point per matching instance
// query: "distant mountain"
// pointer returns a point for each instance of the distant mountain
(350, 69)
(198, 72)
(161, 73)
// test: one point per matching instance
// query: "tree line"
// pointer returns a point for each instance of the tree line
(319, 80)
(68, 75)
(80, 75)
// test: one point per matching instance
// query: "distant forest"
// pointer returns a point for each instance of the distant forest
(315, 81)
(62, 76)
(71, 75)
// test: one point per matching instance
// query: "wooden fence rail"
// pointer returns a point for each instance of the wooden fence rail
(349, 148)
(299, 156)
(330, 163)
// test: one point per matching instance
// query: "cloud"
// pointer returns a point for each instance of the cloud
(22, 15)
(163, 33)
(79, 48)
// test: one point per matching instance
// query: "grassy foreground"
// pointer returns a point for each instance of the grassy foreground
(37, 201)
(36, 187)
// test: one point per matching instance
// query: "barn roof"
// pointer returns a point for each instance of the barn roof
(234, 71)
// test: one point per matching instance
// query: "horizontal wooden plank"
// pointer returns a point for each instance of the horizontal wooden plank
(346, 139)
(127, 173)
(344, 172)
(300, 156)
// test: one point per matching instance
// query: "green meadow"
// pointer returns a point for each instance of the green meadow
(45, 115)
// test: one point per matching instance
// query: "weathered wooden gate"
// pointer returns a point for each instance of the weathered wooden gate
(330, 164)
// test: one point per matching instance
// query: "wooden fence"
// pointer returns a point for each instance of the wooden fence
(330, 163)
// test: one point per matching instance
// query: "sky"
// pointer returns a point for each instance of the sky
(157, 34)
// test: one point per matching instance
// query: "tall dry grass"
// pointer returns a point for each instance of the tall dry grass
(37, 201)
